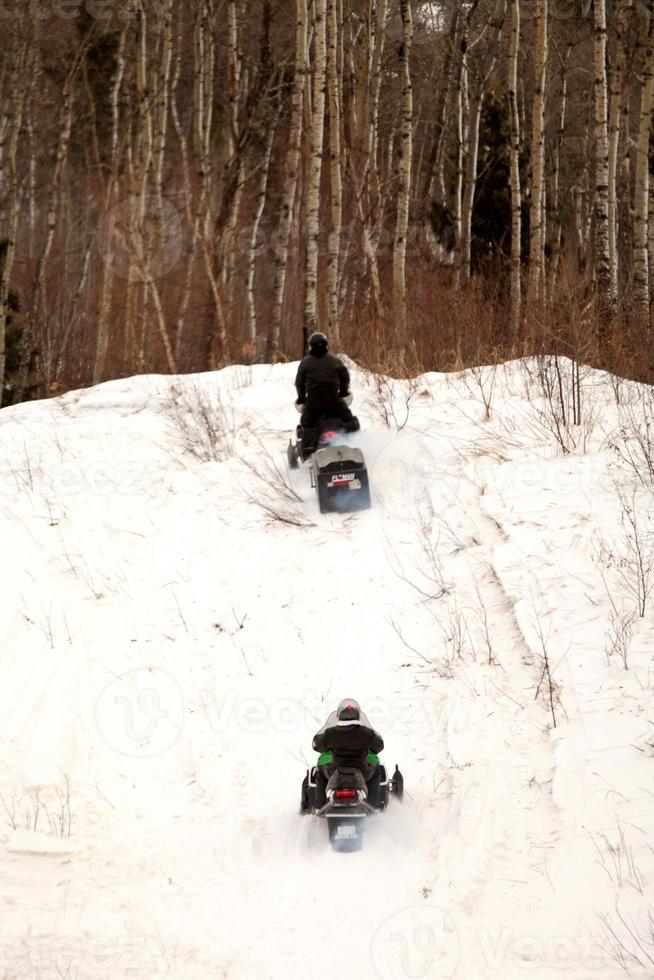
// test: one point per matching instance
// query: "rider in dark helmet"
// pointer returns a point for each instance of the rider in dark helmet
(323, 388)
(347, 739)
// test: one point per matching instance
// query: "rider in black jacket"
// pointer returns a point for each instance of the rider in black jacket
(350, 737)
(322, 383)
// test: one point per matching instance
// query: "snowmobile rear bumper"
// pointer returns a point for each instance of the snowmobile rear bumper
(340, 476)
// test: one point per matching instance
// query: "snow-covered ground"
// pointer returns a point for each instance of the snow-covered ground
(168, 646)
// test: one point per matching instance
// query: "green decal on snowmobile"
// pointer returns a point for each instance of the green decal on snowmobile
(326, 759)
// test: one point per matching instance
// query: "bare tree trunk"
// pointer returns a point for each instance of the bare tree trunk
(65, 127)
(615, 118)
(537, 230)
(291, 175)
(201, 60)
(102, 337)
(368, 245)
(642, 271)
(14, 117)
(192, 219)
(435, 156)
(315, 167)
(472, 157)
(462, 82)
(336, 180)
(360, 113)
(379, 16)
(624, 237)
(162, 105)
(554, 198)
(602, 238)
(516, 190)
(405, 163)
(472, 150)
(205, 57)
(255, 344)
(234, 175)
(140, 154)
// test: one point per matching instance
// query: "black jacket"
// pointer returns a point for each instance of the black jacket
(349, 743)
(320, 377)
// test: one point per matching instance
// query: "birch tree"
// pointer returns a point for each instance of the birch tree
(361, 136)
(642, 271)
(537, 229)
(461, 108)
(255, 345)
(472, 149)
(516, 190)
(616, 97)
(433, 173)
(405, 161)
(291, 174)
(13, 120)
(102, 336)
(317, 131)
(234, 167)
(554, 198)
(336, 180)
(38, 284)
(602, 238)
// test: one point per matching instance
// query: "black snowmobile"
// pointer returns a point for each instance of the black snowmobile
(350, 800)
(338, 471)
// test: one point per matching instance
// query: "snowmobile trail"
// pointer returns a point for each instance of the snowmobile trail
(182, 645)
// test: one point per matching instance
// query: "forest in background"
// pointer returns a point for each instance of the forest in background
(435, 184)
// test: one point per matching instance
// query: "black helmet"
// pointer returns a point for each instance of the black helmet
(348, 711)
(318, 342)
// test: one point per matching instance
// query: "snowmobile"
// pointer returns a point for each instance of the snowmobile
(338, 471)
(350, 800)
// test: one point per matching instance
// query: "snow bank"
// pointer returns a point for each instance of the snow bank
(167, 651)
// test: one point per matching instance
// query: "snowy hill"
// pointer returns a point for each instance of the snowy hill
(177, 619)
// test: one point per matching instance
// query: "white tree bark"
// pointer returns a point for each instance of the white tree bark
(315, 167)
(467, 204)
(162, 101)
(405, 163)
(615, 120)
(368, 244)
(642, 271)
(462, 83)
(472, 149)
(602, 238)
(434, 169)
(537, 229)
(102, 337)
(291, 174)
(554, 199)
(516, 190)
(234, 170)
(255, 342)
(379, 17)
(191, 218)
(336, 179)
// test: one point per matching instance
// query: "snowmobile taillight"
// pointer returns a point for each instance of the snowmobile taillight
(328, 436)
(345, 794)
